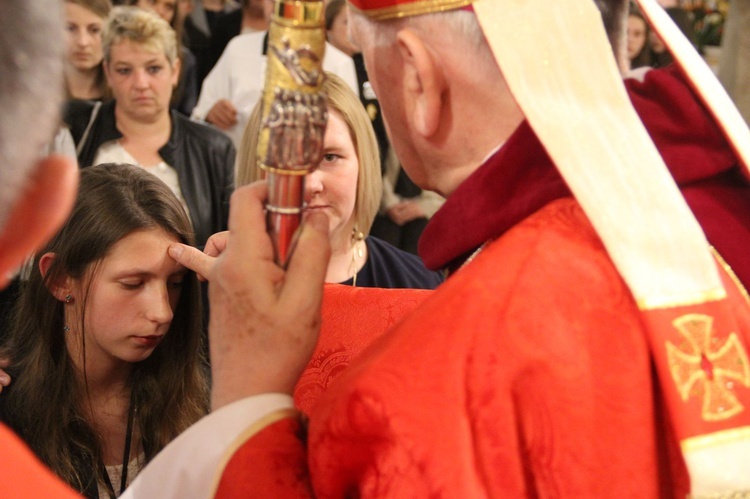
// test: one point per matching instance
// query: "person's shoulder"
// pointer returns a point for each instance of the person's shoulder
(187, 56)
(239, 44)
(75, 110)
(376, 244)
(77, 113)
(335, 55)
(203, 132)
(192, 127)
(228, 19)
(75, 106)
(409, 267)
(653, 82)
(335, 61)
(556, 246)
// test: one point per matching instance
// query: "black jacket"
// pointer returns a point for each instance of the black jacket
(202, 156)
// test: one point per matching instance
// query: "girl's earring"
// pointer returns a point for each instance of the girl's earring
(68, 298)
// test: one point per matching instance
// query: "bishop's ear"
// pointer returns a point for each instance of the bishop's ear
(424, 82)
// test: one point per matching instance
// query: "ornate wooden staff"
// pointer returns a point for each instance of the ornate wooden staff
(294, 115)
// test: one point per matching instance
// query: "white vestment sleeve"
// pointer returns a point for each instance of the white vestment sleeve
(187, 467)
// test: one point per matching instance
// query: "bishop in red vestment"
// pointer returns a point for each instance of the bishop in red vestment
(528, 373)
(557, 360)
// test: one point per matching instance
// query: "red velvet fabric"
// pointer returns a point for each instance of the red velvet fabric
(523, 179)
(23, 476)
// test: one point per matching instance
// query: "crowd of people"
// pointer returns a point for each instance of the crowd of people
(645, 47)
(575, 323)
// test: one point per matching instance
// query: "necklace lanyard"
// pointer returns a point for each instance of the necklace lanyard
(125, 457)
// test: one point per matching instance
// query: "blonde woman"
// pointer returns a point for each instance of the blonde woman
(347, 187)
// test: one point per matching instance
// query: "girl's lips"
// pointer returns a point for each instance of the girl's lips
(150, 341)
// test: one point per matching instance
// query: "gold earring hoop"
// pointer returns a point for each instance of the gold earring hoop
(357, 253)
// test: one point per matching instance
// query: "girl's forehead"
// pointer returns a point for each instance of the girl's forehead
(142, 251)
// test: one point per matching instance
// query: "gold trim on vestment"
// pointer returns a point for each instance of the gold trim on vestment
(412, 9)
(697, 299)
(714, 439)
(731, 274)
(682, 301)
(737, 494)
(246, 435)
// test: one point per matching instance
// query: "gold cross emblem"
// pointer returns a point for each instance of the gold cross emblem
(704, 366)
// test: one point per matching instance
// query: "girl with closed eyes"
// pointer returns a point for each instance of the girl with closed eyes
(105, 348)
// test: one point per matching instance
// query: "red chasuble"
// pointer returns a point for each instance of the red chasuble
(483, 392)
(352, 319)
(528, 373)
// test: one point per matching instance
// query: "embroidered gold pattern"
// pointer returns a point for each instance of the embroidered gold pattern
(412, 9)
(704, 366)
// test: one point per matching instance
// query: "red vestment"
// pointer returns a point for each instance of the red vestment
(22, 475)
(528, 373)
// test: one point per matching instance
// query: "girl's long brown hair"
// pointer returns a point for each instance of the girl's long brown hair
(102, 9)
(169, 388)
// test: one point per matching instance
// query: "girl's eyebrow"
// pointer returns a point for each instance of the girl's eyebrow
(138, 272)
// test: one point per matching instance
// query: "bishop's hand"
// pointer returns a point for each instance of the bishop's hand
(264, 320)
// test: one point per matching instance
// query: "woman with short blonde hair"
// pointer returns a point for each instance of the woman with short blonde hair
(150, 31)
(138, 127)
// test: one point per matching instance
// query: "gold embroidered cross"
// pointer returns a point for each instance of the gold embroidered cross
(703, 366)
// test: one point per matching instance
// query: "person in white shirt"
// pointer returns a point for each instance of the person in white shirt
(235, 84)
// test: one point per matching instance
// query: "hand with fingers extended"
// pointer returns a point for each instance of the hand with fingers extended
(201, 263)
(264, 319)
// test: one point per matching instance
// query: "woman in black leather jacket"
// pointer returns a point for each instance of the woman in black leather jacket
(142, 67)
